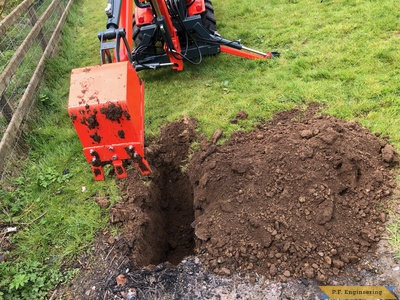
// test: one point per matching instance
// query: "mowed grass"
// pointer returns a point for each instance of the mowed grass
(342, 54)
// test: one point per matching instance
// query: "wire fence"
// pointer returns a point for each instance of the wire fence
(28, 35)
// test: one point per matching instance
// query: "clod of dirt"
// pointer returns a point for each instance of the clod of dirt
(242, 115)
(95, 137)
(216, 136)
(103, 202)
(113, 112)
(91, 121)
(389, 155)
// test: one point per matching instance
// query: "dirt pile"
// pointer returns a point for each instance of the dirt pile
(299, 197)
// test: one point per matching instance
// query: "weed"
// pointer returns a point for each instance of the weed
(30, 280)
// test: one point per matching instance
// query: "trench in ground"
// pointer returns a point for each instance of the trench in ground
(174, 238)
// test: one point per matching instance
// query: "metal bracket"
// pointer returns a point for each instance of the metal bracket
(110, 39)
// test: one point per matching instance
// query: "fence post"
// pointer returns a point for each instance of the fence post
(6, 108)
(33, 19)
(60, 9)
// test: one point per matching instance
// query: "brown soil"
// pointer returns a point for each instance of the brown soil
(301, 197)
(158, 211)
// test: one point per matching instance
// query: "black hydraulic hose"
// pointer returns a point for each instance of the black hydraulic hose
(113, 14)
(187, 35)
(220, 41)
(174, 12)
(142, 4)
(191, 3)
(141, 50)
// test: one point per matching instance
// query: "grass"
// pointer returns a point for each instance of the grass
(394, 237)
(330, 54)
(342, 54)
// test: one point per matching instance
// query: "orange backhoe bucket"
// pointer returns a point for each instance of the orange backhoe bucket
(106, 106)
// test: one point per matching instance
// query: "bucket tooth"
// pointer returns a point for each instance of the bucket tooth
(143, 166)
(119, 169)
(140, 162)
(98, 173)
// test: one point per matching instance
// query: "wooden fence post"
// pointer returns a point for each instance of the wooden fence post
(33, 19)
(6, 108)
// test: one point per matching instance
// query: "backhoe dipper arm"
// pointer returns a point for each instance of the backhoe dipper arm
(168, 31)
(234, 47)
(118, 28)
(113, 12)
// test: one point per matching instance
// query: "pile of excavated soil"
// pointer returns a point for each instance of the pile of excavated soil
(302, 197)
(298, 197)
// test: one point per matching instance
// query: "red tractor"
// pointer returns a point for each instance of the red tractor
(106, 102)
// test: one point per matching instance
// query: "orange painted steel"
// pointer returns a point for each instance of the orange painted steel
(143, 16)
(174, 58)
(106, 106)
(126, 22)
(196, 7)
(245, 54)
